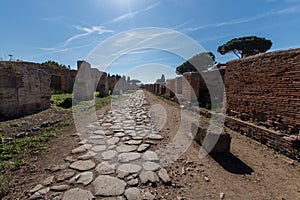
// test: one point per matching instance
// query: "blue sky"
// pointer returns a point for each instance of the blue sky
(67, 31)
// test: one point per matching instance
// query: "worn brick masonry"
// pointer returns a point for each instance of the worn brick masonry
(265, 90)
(24, 88)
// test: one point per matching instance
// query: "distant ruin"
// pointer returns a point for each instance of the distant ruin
(26, 87)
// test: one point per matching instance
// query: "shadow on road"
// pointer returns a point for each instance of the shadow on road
(231, 163)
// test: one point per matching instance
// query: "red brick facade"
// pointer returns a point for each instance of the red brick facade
(265, 89)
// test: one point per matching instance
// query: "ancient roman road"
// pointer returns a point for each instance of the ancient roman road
(113, 158)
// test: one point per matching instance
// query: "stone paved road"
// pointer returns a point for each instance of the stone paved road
(113, 160)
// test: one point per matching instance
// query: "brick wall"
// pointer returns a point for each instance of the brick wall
(262, 94)
(24, 88)
(265, 90)
(62, 79)
(195, 87)
(170, 88)
(191, 86)
(178, 85)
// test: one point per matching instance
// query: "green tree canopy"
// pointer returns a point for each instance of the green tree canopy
(246, 46)
(199, 62)
(53, 64)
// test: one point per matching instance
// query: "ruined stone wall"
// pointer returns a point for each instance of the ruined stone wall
(198, 87)
(170, 88)
(162, 90)
(103, 87)
(88, 81)
(178, 85)
(24, 89)
(265, 90)
(191, 86)
(62, 79)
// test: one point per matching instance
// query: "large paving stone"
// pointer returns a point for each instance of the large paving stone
(83, 165)
(151, 166)
(99, 132)
(150, 156)
(78, 194)
(96, 137)
(87, 156)
(133, 194)
(131, 168)
(106, 185)
(113, 140)
(105, 168)
(133, 182)
(163, 175)
(148, 196)
(48, 181)
(96, 142)
(127, 157)
(120, 134)
(148, 176)
(78, 150)
(133, 142)
(84, 178)
(108, 155)
(98, 148)
(126, 148)
(68, 173)
(60, 188)
(155, 137)
(143, 147)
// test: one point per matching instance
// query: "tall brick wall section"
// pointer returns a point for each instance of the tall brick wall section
(195, 87)
(62, 79)
(178, 85)
(162, 89)
(265, 89)
(24, 88)
(170, 88)
(191, 86)
(103, 87)
(86, 81)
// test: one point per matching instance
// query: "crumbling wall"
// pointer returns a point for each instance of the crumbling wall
(62, 79)
(170, 88)
(178, 85)
(202, 87)
(24, 89)
(265, 90)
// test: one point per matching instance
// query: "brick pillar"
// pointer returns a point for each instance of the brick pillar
(191, 86)
(178, 85)
(103, 85)
(170, 88)
(84, 86)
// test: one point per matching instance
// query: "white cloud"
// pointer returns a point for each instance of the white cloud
(87, 31)
(152, 6)
(123, 17)
(289, 10)
(183, 24)
(131, 14)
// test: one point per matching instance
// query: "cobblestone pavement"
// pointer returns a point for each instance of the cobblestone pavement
(113, 158)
